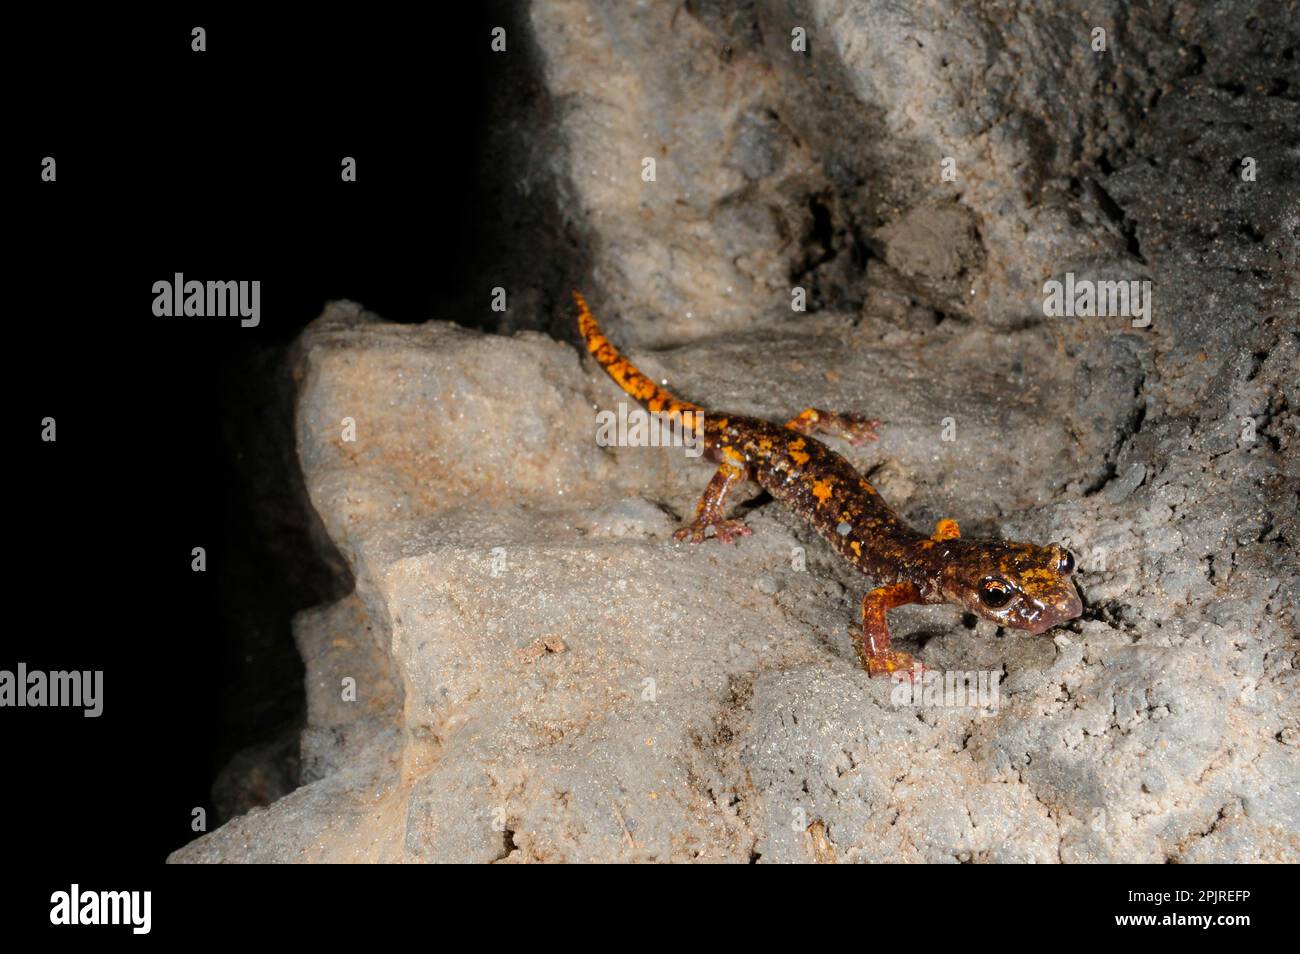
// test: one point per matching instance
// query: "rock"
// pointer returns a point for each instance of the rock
(257, 776)
(542, 674)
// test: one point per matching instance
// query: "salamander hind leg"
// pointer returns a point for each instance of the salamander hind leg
(854, 428)
(708, 513)
(875, 652)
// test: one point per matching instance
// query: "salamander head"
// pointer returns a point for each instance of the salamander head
(1019, 585)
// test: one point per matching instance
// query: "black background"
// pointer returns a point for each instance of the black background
(223, 165)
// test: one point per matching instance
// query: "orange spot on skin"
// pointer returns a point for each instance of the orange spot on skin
(799, 457)
(946, 530)
(856, 547)
(822, 491)
(732, 453)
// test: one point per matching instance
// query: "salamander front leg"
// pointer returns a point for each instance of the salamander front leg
(708, 513)
(854, 428)
(878, 659)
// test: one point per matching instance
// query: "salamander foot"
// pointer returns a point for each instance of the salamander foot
(725, 530)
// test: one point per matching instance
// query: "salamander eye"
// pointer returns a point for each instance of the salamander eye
(995, 593)
(1066, 565)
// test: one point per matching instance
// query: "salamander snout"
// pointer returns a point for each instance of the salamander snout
(1035, 616)
(1018, 585)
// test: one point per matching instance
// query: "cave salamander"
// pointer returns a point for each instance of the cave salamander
(1018, 585)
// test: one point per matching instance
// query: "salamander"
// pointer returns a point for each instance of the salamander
(1017, 585)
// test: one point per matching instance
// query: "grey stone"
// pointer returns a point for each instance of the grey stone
(544, 675)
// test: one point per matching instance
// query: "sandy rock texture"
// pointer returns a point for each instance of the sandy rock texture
(539, 673)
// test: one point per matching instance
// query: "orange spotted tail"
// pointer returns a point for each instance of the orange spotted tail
(625, 375)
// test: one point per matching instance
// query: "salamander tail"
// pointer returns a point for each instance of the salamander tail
(625, 375)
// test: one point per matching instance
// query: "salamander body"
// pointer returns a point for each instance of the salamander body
(1018, 585)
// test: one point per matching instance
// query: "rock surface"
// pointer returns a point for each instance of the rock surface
(542, 674)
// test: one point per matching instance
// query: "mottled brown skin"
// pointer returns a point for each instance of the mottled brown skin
(1018, 585)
